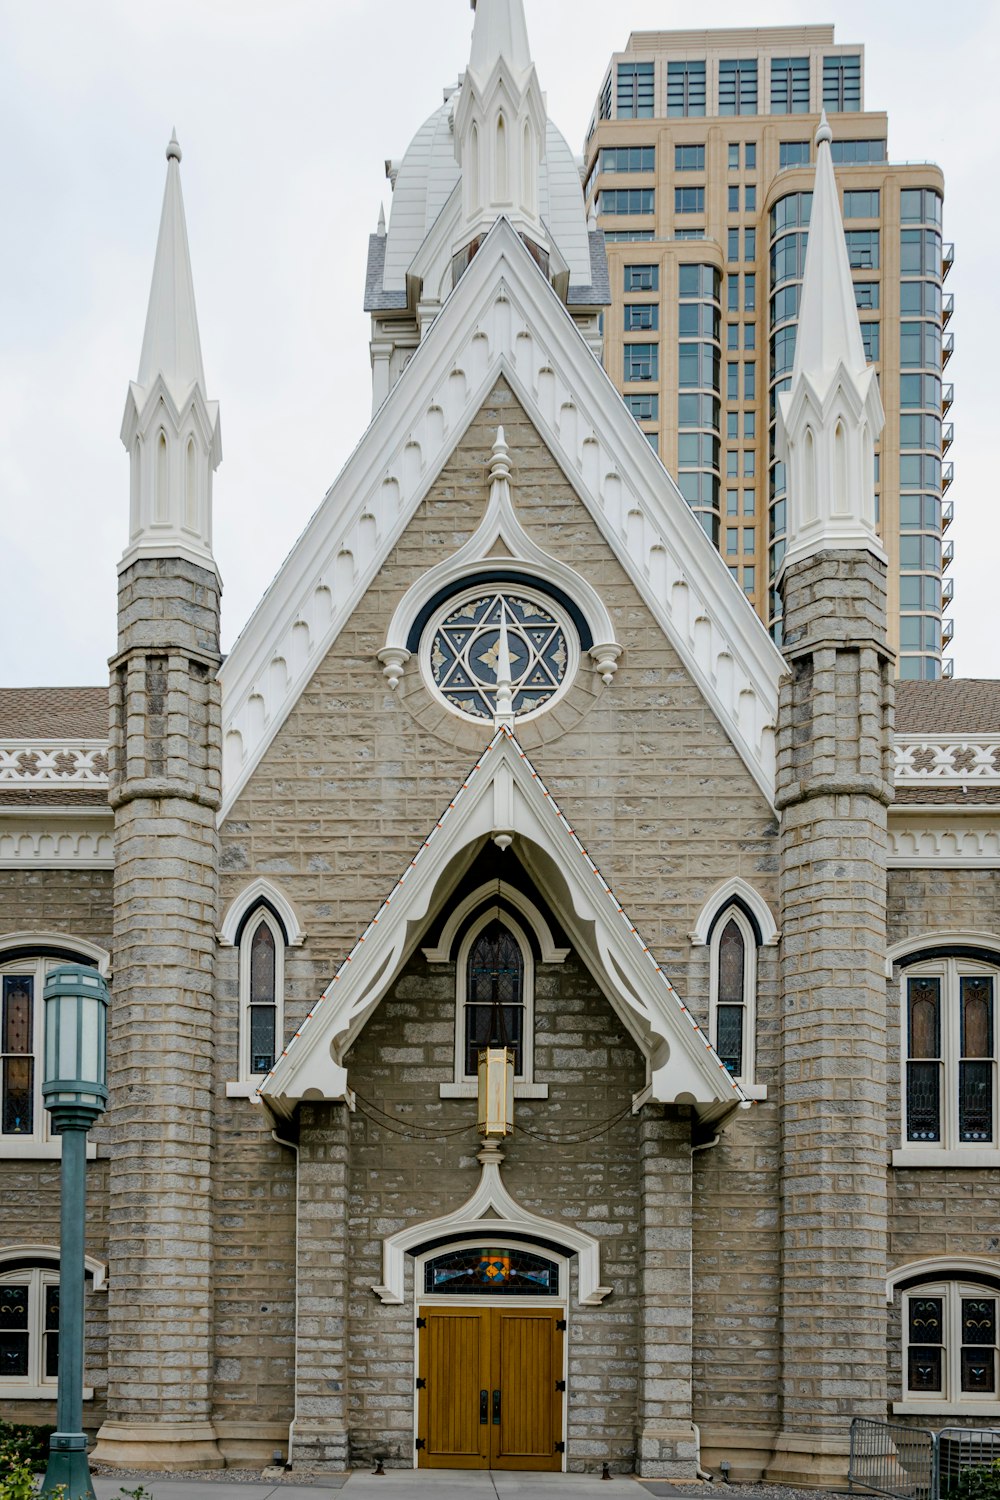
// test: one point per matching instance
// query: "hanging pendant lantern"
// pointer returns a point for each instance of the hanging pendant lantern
(496, 1091)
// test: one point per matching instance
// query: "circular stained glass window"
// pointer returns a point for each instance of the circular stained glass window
(462, 643)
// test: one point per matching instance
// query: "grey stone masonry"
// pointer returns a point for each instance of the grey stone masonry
(165, 782)
(665, 1441)
(319, 1434)
(833, 789)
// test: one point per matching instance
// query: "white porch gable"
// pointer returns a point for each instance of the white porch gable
(502, 320)
(503, 798)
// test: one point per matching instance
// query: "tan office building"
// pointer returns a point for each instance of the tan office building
(699, 164)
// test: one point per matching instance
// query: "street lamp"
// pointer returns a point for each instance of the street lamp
(75, 1093)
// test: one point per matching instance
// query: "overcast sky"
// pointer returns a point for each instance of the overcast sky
(286, 111)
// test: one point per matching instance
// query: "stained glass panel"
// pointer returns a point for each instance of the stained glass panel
(731, 964)
(13, 1331)
(925, 1355)
(729, 1037)
(261, 1038)
(494, 1012)
(465, 653)
(17, 1115)
(51, 1332)
(975, 1101)
(491, 1270)
(977, 1015)
(923, 1101)
(924, 995)
(262, 966)
(979, 1320)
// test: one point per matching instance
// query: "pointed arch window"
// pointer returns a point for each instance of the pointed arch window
(733, 981)
(161, 499)
(494, 995)
(262, 979)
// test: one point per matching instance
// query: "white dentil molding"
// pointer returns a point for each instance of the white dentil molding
(931, 835)
(503, 320)
(52, 838)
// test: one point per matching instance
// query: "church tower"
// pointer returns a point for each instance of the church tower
(833, 789)
(500, 128)
(165, 787)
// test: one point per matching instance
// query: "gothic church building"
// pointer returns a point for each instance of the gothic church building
(504, 755)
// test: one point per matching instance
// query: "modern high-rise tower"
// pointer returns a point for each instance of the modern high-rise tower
(699, 165)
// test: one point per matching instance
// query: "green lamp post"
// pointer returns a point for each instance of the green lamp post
(75, 1093)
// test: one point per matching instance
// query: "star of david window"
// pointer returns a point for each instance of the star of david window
(462, 651)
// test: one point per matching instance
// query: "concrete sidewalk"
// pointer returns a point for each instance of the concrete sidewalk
(449, 1483)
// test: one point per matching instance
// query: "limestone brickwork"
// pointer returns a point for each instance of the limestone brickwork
(833, 789)
(165, 782)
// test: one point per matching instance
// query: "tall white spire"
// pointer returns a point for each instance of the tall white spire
(830, 419)
(500, 30)
(500, 124)
(170, 429)
(171, 346)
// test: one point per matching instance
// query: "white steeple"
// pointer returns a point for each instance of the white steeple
(500, 124)
(170, 430)
(830, 419)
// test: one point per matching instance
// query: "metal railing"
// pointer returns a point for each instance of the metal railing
(947, 396)
(913, 1463)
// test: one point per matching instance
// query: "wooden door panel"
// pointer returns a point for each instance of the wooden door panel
(526, 1366)
(455, 1368)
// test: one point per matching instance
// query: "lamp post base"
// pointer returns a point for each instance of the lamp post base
(68, 1472)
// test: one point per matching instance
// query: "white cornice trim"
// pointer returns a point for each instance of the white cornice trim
(735, 889)
(503, 319)
(503, 797)
(503, 1215)
(944, 838)
(54, 837)
(258, 891)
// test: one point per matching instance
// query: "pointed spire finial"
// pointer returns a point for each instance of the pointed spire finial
(499, 30)
(380, 231)
(823, 131)
(171, 345)
(503, 714)
(500, 462)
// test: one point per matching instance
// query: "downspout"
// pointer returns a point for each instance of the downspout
(699, 1471)
(293, 1146)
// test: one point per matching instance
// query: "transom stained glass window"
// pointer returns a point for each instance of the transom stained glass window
(951, 1055)
(465, 645)
(490, 1270)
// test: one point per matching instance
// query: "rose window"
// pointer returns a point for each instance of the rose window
(463, 651)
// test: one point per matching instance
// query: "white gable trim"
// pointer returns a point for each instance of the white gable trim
(506, 1217)
(735, 889)
(257, 892)
(503, 797)
(521, 903)
(503, 319)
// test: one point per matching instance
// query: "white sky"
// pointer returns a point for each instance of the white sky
(286, 111)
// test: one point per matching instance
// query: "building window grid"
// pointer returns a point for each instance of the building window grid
(790, 92)
(699, 452)
(686, 90)
(950, 1353)
(738, 86)
(842, 83)
(636, 91)
(628, 159)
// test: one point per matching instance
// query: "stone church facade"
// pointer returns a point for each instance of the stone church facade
(505, 756)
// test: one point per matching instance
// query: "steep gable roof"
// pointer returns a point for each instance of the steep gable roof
(503, 320)
(505, 799)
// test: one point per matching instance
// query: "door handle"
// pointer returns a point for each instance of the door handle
(496, 1408)
(484, 1407)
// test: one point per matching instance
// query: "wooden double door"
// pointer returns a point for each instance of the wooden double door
(490, 1388)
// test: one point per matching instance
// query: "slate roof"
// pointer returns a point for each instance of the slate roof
(598, 294)
(961, 705)
(376, 300)
(58, 713)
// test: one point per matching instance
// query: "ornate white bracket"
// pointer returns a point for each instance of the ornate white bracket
(521, 556)
(505, 1217)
